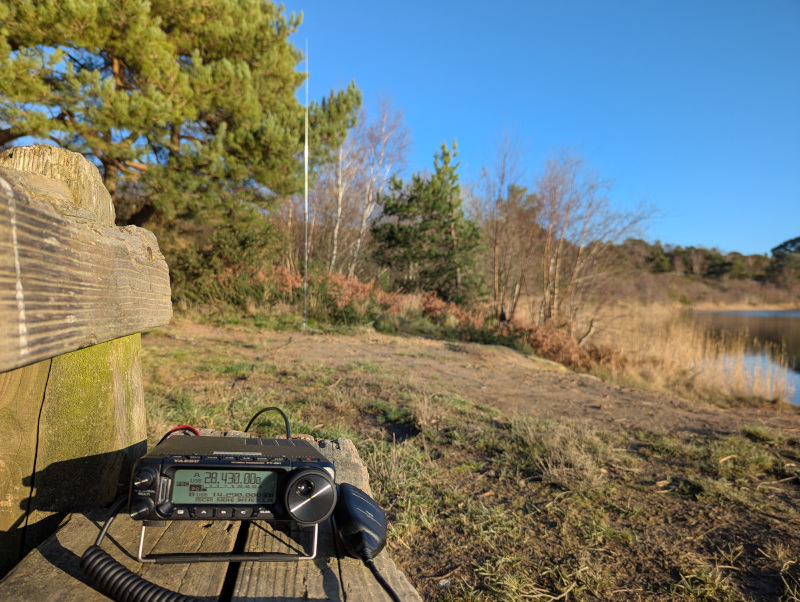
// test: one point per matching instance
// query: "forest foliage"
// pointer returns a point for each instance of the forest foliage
(189, 110)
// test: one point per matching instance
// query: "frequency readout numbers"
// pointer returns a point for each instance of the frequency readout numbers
(224, 487)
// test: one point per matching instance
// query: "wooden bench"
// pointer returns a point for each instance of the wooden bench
(51, 571)
(76, 291)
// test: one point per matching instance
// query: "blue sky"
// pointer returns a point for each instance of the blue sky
(693, 107)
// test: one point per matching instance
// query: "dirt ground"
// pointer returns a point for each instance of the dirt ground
(688, 545)
(505, 379)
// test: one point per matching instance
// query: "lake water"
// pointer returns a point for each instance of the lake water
(779, 327)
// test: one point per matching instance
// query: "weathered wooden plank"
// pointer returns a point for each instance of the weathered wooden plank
(327, 577)
(90, 431)
(360, 585)
(179, 537)
(86, 188)
(68, 278)
(347, 463)
(21, 398)
(51, 572)
(316, 579)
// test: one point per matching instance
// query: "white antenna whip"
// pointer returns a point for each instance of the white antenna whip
(305, 202)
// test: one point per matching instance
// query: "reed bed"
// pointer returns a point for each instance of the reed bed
(666, 350)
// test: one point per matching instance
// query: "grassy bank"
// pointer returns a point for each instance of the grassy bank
(493, 507)
(661, 349)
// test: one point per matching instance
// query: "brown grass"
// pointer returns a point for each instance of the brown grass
(668, 352)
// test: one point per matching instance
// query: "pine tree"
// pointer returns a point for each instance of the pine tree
(423, 236)
(174, 96)
(188, 109)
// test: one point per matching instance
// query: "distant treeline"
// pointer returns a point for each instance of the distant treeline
(781, 268)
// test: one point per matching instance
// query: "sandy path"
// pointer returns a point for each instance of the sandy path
(499, 377)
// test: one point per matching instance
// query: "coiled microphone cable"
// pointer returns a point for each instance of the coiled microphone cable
(116, 580)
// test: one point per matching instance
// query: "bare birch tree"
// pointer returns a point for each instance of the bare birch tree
(346, 168)
(497, 183)
(578, 227)
(346, 190)
(518, 246)
(384, 145)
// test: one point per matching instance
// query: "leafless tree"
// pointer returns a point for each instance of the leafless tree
(578, 228)
(520, 243)
(346, 168)
(384, 145)
(498, 183)
(699, 259)
(346, 191)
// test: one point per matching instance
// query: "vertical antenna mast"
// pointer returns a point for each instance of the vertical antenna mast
(305, 201)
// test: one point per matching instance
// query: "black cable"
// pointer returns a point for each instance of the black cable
(379, 578)
(184, 427)
(121, 584)
(118, 581)
(285, 420)
(115, 508)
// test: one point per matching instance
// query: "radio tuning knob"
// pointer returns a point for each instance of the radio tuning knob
(141, 508)
(143, 478)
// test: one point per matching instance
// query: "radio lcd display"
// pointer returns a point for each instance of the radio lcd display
(203, 486)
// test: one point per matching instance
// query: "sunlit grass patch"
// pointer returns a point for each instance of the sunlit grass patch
(371, 367)
(761, 433)
(738, 459)
(501, 507)
(706, 582)
(235, 370)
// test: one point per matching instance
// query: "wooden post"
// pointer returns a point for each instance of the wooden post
(75, 292)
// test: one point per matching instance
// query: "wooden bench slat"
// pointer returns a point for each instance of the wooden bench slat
(360, 584)
(316, 579)
(71, 281)
(179, 537)
(51, 571)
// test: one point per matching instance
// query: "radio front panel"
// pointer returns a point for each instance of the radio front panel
(202, 478)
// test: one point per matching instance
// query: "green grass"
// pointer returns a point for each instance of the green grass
(370, 367)
(512, 509)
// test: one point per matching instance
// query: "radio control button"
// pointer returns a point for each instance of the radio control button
(265, 514)
(181, 513)
(141, 508)
(166, 508)
(224, 513)
(204, 513)
(243, 512)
